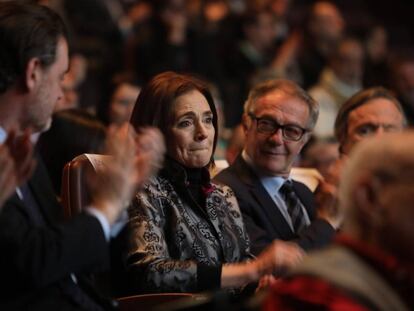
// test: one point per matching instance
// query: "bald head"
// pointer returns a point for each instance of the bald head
(377, 191)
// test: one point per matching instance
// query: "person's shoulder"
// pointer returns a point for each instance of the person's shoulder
(221, 188)
(228, 173)
(227, 193)
(156, 184)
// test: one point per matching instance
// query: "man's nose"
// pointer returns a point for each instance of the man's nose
(277, 136)
(379, 131)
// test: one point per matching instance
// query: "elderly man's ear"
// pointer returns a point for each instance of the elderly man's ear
(367, 198)
(246, 122)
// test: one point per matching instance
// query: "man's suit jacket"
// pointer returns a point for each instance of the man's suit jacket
(38, 258)
(264, 222)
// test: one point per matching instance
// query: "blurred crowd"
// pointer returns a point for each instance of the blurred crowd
(164, 90)
(325, 46)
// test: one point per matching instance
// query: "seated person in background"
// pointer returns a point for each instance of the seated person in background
(278, 120)
(187, 234)
(370, 112)
(402, 82)
(320, 154)
(73, 132)
(122, 102)
(339, 80)
(370, 267)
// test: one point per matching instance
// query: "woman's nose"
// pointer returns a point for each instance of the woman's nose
(201, 132)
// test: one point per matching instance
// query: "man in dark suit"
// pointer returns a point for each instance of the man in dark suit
(278, 119)
(42, 258)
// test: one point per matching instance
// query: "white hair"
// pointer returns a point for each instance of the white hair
(389, 159)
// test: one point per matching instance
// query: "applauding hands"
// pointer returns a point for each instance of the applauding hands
(16, 163)
(135, 157)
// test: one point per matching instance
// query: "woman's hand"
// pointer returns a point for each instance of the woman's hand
(274, 260)
(277, 258)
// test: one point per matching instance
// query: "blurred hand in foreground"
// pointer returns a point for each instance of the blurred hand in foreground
(135, 158)
(16, 163)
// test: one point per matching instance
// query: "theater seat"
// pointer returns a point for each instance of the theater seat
(151, 301)
(75, 193)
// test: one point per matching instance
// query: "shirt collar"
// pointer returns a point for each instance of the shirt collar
(3, 135)
(271, 183)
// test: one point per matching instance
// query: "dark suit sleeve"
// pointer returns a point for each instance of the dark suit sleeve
(319, 233)
(36, 256)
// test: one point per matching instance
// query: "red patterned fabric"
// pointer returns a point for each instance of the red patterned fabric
(311, 293)
(308, 293)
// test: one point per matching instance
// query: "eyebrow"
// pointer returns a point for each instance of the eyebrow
(268, 117)
(192, 114)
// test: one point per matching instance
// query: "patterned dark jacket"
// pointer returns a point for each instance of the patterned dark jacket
(178, 245)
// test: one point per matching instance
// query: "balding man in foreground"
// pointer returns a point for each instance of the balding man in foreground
(371, 265)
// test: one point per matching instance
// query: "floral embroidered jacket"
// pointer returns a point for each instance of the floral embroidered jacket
(178, 245)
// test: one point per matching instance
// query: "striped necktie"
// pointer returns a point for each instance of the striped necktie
(293, 206)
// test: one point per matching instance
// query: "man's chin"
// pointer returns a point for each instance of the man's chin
(271, 169)
(42, 127)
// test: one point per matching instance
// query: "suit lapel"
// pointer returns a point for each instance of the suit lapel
(264, 202)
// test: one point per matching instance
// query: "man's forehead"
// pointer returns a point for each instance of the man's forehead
(379, 110)
(280, 101)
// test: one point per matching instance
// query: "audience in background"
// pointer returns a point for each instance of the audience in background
(339, 80)
(376, 50)
(402, 82)
(320, 154)
(252, 54)
(370, 267)
(122, 102)
(324, 28)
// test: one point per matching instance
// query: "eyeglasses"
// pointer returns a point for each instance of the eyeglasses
(268, 126)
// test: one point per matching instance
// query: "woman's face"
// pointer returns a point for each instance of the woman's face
(192, 132)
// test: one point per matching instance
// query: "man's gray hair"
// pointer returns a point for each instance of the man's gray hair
(287, 87)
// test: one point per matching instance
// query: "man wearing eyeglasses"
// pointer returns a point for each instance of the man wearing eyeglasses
(278, 120)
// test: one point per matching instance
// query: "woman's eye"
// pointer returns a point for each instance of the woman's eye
(208, 120)
(184, 123)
